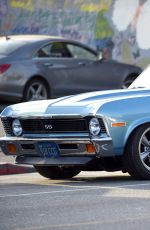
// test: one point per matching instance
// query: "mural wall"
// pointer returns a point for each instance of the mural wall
(120, 28)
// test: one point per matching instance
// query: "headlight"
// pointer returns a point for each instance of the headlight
(94, 126)
(16, 127)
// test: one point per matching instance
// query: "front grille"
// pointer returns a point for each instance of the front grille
(103, 129)
(47, 126)
(7, 124)
(53, 125)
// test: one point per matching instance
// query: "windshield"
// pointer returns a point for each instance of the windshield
(143, 81)
(8, 46)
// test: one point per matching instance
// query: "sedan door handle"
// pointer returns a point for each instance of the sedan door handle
(48, 64)
(81, 63)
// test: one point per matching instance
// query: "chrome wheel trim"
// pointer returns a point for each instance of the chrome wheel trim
(37, 91)
(144, 149)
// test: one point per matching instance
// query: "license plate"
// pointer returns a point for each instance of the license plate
(49, 149)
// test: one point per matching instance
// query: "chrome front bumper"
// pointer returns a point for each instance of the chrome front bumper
(72, 150)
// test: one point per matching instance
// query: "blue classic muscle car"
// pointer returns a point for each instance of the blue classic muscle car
(103, 130)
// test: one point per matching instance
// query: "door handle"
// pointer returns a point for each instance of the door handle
(81, 63)
(48, 64)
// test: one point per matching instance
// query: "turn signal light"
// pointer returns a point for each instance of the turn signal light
(11, 148)
(118, 124)
(4, 68)
(90, 148)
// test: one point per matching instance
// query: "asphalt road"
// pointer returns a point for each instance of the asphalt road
(89, 201)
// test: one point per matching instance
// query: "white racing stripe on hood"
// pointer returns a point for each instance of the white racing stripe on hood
(78, 105)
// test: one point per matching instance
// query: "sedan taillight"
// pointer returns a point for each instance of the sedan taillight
(4, 68)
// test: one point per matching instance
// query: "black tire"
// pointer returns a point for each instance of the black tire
(136, 159)
(56, 172)
(36, 89)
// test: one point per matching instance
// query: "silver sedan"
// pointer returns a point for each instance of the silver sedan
(35, 67)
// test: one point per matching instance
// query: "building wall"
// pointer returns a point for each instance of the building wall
(120, 28)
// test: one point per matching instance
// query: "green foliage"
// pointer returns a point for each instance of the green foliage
(102, 27)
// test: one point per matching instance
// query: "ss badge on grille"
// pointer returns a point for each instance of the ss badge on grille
(48, 127)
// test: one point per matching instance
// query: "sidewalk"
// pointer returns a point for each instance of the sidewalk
(7, 166)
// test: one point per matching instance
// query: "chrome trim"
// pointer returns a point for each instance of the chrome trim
(58, 139)
(52, 116)
(102, 139)
(103, 145)
(45, 116)
(57, 135)
(55, 138)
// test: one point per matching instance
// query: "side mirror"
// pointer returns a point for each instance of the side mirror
(100, 55)
(104, 54)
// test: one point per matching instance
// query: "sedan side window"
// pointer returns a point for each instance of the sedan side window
(81, 52)
(59, 49)
(54, 50)
(44, 51)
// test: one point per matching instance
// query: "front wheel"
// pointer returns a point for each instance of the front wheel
(137, 154)
(56, 172)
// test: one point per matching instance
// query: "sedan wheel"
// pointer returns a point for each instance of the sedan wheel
(35, 90)
(56, 172)
(137, 155)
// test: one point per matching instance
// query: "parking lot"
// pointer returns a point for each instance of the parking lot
(91, 200)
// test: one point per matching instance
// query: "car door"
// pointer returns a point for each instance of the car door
(81, 70)
(71, 68)
(55, 62)
(92, 73)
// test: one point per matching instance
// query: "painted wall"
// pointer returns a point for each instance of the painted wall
(120, 28)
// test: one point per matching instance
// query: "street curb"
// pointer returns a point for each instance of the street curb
(7, 169)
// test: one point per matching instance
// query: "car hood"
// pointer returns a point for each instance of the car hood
(77, 105)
